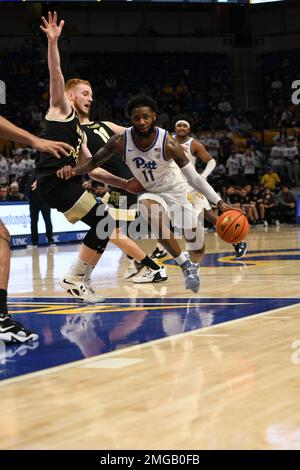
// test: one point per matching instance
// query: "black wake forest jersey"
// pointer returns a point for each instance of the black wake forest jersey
(98, 133)
(69, 131)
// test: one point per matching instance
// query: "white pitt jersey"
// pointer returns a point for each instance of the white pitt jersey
(187, 150)
(149, 166)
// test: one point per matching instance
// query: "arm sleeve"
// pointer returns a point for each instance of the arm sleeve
(209, 168)
(199, 183)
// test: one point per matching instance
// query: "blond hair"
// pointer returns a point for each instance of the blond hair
(76, 81)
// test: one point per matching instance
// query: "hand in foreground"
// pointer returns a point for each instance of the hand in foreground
(54, 148)
(66, 172)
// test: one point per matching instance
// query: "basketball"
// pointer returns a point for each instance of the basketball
(134, 186)
(232, 226)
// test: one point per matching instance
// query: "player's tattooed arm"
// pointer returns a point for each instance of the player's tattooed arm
(114, 145)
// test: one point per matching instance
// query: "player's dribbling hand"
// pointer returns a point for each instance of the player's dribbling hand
(66, 172)
(223, 206)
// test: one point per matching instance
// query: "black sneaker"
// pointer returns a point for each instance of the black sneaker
(12, 331)
(157, 253)
(240, 249)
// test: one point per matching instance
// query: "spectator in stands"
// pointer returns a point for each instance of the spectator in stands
(270, 180)
(219, 176)
(233, 167)
(276, 84)
(278, 157)
(287, 205)
(14, 194)
(224, 106)
(245, 126)
(249, 166)
(247, 206)
(17, 168)
(27, 162)
(3, 193)
(234, 197)
(232, 123)
(269, 203)
(256, 198)
(213, 145)
(286, 118)
(292, 160)
(4, 170)
(225, 146)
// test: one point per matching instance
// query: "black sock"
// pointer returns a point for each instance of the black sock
(150, 263)
(3, 302)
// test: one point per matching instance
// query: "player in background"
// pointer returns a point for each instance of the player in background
(198, 155)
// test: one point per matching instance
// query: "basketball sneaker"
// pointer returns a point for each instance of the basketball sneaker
(80, 289)
(240, 249)
(134, 268)
(152, 275)
(157, 253)
(191, 277)
(12, 331)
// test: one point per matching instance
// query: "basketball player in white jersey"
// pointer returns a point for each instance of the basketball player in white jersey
(195, 150)
(159, 163)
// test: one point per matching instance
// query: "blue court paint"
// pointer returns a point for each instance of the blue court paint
(70, 331)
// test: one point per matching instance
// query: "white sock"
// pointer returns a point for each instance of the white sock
(88, 272)
(79, 268)
(160, 246)
(181, 259)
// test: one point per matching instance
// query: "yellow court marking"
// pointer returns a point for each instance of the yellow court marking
(248, 256)
(69, 310)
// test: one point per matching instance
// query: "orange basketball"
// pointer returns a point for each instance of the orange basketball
(232, 226)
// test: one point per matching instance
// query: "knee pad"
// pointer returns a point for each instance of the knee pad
(101, 226)
(92, 241)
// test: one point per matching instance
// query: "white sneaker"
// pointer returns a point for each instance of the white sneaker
(152, 275)
(134, 267)
(78, 289)
(88, 285)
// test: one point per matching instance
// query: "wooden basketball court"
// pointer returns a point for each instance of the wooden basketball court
(157, 367)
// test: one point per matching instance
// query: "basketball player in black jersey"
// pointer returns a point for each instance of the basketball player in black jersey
(98, 133)
(69, 197)
(10, 330)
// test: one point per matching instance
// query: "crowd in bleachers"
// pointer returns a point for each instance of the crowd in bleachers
(279, 70)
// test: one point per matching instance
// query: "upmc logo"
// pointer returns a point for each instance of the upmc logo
(140, 163)
(2, 92)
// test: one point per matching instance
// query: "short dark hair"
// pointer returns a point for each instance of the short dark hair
(140, 101)
(182, 117)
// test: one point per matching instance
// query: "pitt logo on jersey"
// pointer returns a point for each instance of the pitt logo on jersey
(140, 163)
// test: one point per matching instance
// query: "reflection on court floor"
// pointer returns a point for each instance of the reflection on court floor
(70, 331)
